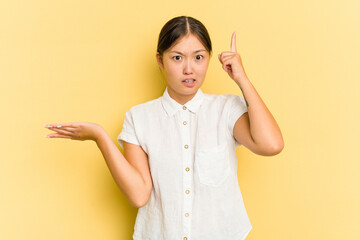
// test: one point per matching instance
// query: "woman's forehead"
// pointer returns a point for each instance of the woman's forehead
(188, 43)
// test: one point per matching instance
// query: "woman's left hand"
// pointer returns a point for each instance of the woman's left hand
(231, 62)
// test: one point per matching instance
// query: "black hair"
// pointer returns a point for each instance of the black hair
(179, 27)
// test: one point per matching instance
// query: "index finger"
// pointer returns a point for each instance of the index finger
(233, 42)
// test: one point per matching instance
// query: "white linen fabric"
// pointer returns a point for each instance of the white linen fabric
(193, 164)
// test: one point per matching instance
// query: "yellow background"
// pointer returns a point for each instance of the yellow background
(67, 61)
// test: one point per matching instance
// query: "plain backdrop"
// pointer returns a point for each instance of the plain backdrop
(68, 61)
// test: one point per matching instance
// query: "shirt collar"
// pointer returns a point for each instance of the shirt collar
(171, 106)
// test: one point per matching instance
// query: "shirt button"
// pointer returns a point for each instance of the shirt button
(185, 238)
(184, 107)
(186, 214)
(184, 122)
(187, 169)
(187, 191)
(186, 146)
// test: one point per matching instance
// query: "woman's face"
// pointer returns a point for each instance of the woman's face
(184, 66)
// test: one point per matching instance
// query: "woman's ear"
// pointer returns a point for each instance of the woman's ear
(159, 61)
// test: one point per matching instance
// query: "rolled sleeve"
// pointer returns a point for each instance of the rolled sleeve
(128, 133)
(237, 109)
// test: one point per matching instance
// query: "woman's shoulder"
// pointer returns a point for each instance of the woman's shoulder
(221, 98)
(145, 106)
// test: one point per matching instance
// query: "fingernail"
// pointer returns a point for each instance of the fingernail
(58, 126)
(218, 55)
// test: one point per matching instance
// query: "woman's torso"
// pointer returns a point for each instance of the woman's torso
(193, 164)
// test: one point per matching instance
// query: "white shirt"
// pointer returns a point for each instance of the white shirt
(193, 164)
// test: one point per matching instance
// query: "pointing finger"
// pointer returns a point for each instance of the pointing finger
(233, 42)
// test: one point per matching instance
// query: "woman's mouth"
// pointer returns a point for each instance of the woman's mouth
(189, 82)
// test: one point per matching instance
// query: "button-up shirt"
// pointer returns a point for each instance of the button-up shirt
(193, 164)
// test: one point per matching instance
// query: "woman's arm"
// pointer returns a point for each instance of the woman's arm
(257, 129)
(131, 174)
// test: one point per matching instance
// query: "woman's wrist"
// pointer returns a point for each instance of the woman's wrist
(99, 133)
(241, 80)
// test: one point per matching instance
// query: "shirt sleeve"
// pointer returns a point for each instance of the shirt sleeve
(237, 108)
(128, 133)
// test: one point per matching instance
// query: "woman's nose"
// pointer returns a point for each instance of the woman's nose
(187, 67)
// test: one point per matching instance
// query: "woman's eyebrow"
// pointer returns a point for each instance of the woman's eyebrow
(200, 50)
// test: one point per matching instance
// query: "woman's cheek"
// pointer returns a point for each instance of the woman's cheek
(175, 72)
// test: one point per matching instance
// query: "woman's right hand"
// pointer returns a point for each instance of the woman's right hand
(75, 131)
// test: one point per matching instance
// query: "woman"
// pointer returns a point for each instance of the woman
(179, 165)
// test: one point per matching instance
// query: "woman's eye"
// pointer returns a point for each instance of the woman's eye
(177, 57)
(198, 57)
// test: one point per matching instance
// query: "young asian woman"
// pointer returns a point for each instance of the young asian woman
(179, 165)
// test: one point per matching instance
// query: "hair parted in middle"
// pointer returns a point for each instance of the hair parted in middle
(178, 27)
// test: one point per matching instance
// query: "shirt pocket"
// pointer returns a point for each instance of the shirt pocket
(213, 165)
